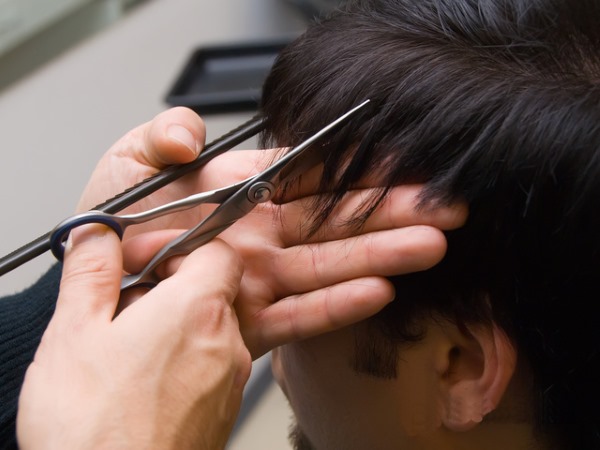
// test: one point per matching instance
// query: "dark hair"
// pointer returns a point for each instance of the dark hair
(496, 102)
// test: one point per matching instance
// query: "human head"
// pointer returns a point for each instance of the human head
(492, 102)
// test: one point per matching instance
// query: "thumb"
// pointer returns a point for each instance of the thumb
(92, 271)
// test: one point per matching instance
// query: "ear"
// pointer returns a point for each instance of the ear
(478, 369)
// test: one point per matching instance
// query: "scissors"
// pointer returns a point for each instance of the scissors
(235, 201)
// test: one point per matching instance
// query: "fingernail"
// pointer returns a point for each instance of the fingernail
(183, 136)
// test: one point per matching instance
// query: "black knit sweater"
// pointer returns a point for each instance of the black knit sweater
(23, 319)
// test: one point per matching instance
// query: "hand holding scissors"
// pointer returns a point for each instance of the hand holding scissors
(235, 201)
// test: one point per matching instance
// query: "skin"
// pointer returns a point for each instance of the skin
(283, 287)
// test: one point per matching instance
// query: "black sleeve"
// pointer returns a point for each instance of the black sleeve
(23, 319)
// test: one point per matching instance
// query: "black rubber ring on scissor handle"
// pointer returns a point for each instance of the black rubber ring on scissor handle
(61, 232)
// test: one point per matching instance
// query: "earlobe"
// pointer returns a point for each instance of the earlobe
(479, 370)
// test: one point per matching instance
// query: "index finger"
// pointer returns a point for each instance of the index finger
(398, 209)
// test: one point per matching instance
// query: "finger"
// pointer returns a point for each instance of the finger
(314, 266)
(137, 253)
(201, 292)
(139, 250)
(232, 167)
(317, 312)
(174, 136)
(398, 209)
(311, 267)
(211, 271)
(91, 276)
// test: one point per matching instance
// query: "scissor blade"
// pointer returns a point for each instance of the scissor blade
(292, 164)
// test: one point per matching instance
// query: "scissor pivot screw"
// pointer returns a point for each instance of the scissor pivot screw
(260, 192)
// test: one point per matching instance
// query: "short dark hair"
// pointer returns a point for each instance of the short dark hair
(496, 102)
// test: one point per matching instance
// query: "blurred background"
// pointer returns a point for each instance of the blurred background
(75, 75)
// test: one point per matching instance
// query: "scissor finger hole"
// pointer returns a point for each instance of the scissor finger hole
(60, 234)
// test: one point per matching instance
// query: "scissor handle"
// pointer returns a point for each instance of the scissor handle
(59, 234)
